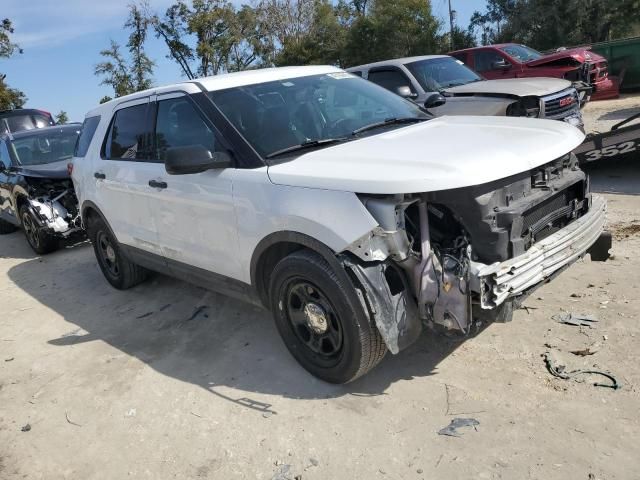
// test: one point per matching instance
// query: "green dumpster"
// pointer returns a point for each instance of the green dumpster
(624, 60)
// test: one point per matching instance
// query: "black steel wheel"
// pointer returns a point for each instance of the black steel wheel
(321, 319)
(119, 271)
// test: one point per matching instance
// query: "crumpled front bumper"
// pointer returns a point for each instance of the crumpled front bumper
(497, 282)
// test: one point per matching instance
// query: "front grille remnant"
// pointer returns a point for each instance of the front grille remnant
(561, 105)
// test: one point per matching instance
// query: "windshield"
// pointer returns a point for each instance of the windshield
(42, 147)
(522, 53)
(437, 74)
(275, 116)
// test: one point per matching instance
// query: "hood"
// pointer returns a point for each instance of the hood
(581, 55)
(57, 170)
(519, 87)
(439, 154)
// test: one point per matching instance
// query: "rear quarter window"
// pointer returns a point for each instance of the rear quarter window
(86, 135)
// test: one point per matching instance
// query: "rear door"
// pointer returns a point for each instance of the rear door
(194, 213)
(122, 176)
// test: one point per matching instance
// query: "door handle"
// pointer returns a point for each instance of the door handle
(99, 175)
(156, 184)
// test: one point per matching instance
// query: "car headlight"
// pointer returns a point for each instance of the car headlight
(525, 107)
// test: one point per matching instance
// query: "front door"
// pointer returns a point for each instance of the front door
(194, 213)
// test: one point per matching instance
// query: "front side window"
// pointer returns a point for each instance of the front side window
(440, 73)
(86, 135)
(483, 60)
(330, 107)
(179, 124)
(522, 53)
(40, 147)
(128, 137)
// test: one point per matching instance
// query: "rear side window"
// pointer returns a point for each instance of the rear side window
(86, 135)
(390, 79)
(127, 138)
(179, 124)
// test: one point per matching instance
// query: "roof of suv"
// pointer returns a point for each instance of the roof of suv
(396, 61)
(225, 80)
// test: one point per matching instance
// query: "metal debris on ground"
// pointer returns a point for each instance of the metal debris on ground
(575, 319)
(451, 429)
(282, 473)
(560, 371)
(26, 428)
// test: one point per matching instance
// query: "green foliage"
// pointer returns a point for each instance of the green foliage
(105, 99)
(124, 76)
(546, 24)
(10, 98)
(61, 117)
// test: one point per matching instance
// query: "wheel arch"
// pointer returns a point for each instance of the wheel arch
(89, 209)
(276, 246)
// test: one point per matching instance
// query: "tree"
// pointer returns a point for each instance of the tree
(62, 117)
(141, 65)
(10, 98)
(105, 99)
(124, 76)
(545, 24)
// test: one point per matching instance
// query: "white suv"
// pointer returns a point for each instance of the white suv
(349, 212)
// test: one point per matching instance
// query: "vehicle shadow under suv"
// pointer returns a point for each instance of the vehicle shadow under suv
(196, 336)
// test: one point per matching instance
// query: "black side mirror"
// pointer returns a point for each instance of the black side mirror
(404, 91)
(500, 65)
(434, 100)
(194, 159)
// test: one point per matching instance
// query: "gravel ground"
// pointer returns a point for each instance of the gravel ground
(101, 384)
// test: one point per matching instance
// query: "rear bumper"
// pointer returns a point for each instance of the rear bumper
(499, 281)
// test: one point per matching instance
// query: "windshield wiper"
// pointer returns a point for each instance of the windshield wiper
(386, 122)
(304, 145)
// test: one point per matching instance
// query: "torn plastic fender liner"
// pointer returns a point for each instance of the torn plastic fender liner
(388, 300)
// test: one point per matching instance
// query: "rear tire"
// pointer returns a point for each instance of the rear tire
(6, 227)
(321, 320)
(119, 271)
(39, 240)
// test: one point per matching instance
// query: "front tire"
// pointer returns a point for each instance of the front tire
(39, 240)
(321, 320)
(119, 271)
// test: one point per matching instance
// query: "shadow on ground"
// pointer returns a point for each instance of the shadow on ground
(621, 114)
(615, 175)
(227, 347)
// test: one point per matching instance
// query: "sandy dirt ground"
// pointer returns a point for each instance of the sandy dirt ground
(602, 115)
(170, 381)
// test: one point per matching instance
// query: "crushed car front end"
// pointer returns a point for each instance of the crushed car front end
(456, 258)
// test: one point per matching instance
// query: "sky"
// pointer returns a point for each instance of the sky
(62, 40)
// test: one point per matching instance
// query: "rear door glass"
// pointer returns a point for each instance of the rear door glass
(128, 136)
(390, 79)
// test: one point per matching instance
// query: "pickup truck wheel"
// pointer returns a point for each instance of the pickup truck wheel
(119, 271)
(39, 240)
(321, 319)
(6, 227)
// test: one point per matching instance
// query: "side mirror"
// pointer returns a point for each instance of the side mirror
(194, 159)
(404, 91)
(434, 100)
(500, 65)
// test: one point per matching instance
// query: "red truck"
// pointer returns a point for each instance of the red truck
(588, 70)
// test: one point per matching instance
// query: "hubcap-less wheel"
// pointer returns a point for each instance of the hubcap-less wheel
(107, 254)
(30, 230)
(314, 320)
